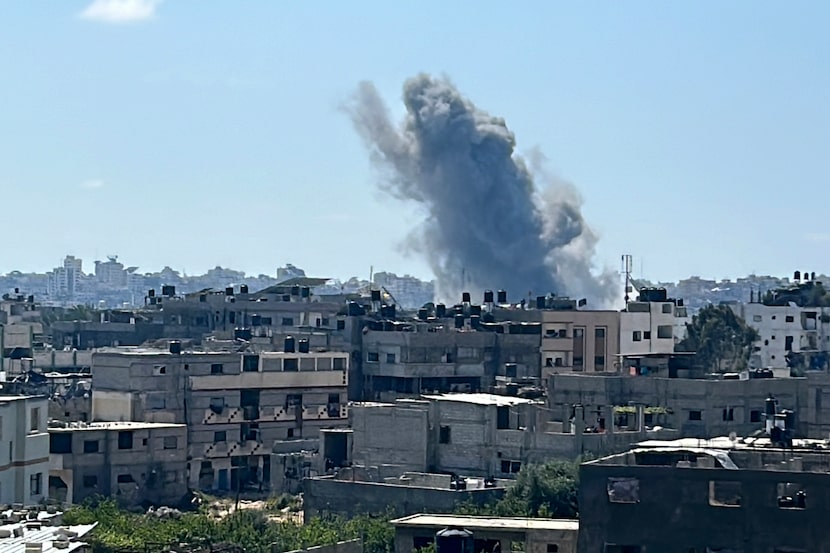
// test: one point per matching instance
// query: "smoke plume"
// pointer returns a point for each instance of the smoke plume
(488, 224)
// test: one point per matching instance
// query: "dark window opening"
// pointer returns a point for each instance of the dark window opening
(125, 439)
(60, 442)
(444, 435)
(125, 479)
(217, 368)
(90, 481)
(372, 357)
(728, 414)
(250, 363)
(287, 321)
(755, 415)
(90, 446)
(221, 436)
(503, 417)
(695, 415)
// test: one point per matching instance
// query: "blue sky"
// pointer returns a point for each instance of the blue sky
(193, 134)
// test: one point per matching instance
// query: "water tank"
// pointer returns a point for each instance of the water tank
(175, 347)
(303, 345)
(242, 334)
(475, 322)
(465, 297)
(502, 296)
(454, 540)
(459, 321)
(488, 296)
(305, 292)
(771, 406)
(440, 310)
(229, 291)
(541, 302)
(423, 313)
(375, 295)
(256, 320)
(475, 310)
(151, 293)
(288, 345)
(243, 289)
(797, 276)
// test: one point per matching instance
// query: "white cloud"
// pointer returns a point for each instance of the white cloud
(92, 184)
(120, 11)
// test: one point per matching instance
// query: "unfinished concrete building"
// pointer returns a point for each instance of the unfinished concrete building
(693, 407)
(474, 434)
(244, 411)
(134, 462)
(740, 495)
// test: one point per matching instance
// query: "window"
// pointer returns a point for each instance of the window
(579, 332)
(390, 357)
(36, 484)
(444, 435)
(599, 363)
(293, 400)
(34, 423)
(287, 321)
(503, 417)
(265, 321)
(159, 370)
(290, 433)
(755, 415)
(90, 481)
(724, 493)
(125, 439)
(339, 363)
(125, 479)
(341, 324)
(171, 442)
(646, 335)
(636, 336)
(789, 319)
(623, 490)
(695, 415)
(511, 467)
(599, 332)
(664, 332)
(220, 436)
(217, 404)
(217, 368)
(757, 318)
(250, 363)
(90, 446)
(579, 362)
(290, 364)
(60, 442)
(728, 414)
(372, 357)
(156, 401)
(553, 548)
(788, 343)
(791, 496)
(667, 308)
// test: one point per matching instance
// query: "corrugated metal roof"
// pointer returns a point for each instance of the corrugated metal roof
(45, 535)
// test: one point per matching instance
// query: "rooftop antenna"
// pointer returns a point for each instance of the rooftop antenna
(626, 268)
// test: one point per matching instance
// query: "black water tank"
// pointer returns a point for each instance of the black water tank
(423, 313)
(541, 301)
(375, 295)
(475, 322)
(502, 296)
(465, 297)
(243, 289)
(488, 296)
(295, 290)
(305, 292)
(288, 345)
(440, 310)
(229, 291)
(151, 293)
(771, 404)
(454, 540)
(242, 334)
(475, 310)
(175, 347)
(303, 345)
(459, 321)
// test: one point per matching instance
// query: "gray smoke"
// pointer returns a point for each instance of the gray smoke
(488, 224)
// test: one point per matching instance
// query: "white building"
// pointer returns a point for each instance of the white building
(65, 281)
(653, 324)
(24, 448)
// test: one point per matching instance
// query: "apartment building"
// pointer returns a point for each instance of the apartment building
(24, 447)
(653, 324)
(134, 462)
(725, 494)
(239, 407)
(579, 341)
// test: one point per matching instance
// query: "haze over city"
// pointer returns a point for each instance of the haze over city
(197, 134)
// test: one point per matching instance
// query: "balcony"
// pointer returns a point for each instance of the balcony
(224, 415)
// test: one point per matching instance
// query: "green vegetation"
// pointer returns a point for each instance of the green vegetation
(546, 491)
(721, 340)
(119, 530)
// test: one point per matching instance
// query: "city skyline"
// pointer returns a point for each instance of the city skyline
(158, 131)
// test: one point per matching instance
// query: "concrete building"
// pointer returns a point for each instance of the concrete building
(693, 407)
(64, 282)
(134, 462)
(653, 324)
(353, 491)
(738, 495)
(579, 341)
(240, 408)
(531, 535)
(24, 448)
(474, 434)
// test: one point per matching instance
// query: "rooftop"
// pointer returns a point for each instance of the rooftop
(481, 399)
(8, 398)
(486, 523)
(46, 536)
(123, 425)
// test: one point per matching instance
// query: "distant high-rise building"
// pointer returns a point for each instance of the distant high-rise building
(65, 281)
(111, 273)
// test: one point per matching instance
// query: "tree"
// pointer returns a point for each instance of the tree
(720, 340)
(549, 490)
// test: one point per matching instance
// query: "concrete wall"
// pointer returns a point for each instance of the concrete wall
(679, 499)
(350, 546)
(531, 541)
(327, 495)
